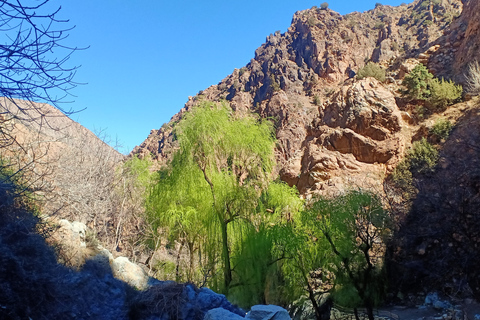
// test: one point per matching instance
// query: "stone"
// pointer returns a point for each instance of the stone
(130, 272)
(221, 314)
(268, 312)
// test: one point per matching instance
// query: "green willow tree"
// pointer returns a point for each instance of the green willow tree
(217, 175)
(257, 260)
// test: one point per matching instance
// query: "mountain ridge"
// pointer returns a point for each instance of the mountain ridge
(298, 76)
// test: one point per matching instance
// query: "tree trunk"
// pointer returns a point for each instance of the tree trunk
(355, 312)
(318, 314)
(191, 271)
(227, 269)
(369, 308)
(177, 269)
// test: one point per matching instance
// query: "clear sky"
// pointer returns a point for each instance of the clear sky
(145, 57)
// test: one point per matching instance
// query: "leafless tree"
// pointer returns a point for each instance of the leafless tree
(33, 68)
(32, 54)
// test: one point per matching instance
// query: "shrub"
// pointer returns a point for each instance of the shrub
(417, 83)
(422, 157)
(324, 6)
(427, 23)
(472, 83)
(402, 177)
(421, 85)
(444, 93)
(316, 100)
(372, 70)
(379, 25)
(441, 128)
(273, 83)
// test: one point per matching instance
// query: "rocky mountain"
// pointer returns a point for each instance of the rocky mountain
(334, 131)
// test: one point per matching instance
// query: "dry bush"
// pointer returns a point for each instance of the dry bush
(371, 70)
(472, 82)
(166, 299)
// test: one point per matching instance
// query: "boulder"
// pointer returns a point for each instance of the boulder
(129, 272)
(268, 312)
(221, 314)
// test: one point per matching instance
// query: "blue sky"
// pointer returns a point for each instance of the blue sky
(145, 57)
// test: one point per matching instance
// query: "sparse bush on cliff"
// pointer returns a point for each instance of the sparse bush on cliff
(274, 84)
(444, 93)
(472, 83)
(324, 6)
(421, 85)
(379, 25)
(441, 128)
(311, 22)
(372, 70)
(421, 158)
(417, 83)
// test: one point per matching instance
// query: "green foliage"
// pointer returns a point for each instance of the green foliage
(208, 195)
(444, 93)
(403, 178)
(441, 128)
(422, 157)
(425, 4)
(244, 69)
(324, 6)
(371, 70)
(253, 267)
(422, 85)
(379, 25)
(417, 83)
(427, 22)
(140, 169)
(316, 100)
(352, 229)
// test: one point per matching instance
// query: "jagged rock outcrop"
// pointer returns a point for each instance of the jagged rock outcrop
(459, 45)
(356, 134)
(295, 77)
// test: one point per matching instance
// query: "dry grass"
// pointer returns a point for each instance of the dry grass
(472, 83)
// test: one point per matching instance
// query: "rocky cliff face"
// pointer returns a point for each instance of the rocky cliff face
(459, 45)
(332, 131)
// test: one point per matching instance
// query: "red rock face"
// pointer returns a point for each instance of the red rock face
(459, 45)
(469, 48)
(330, 130)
